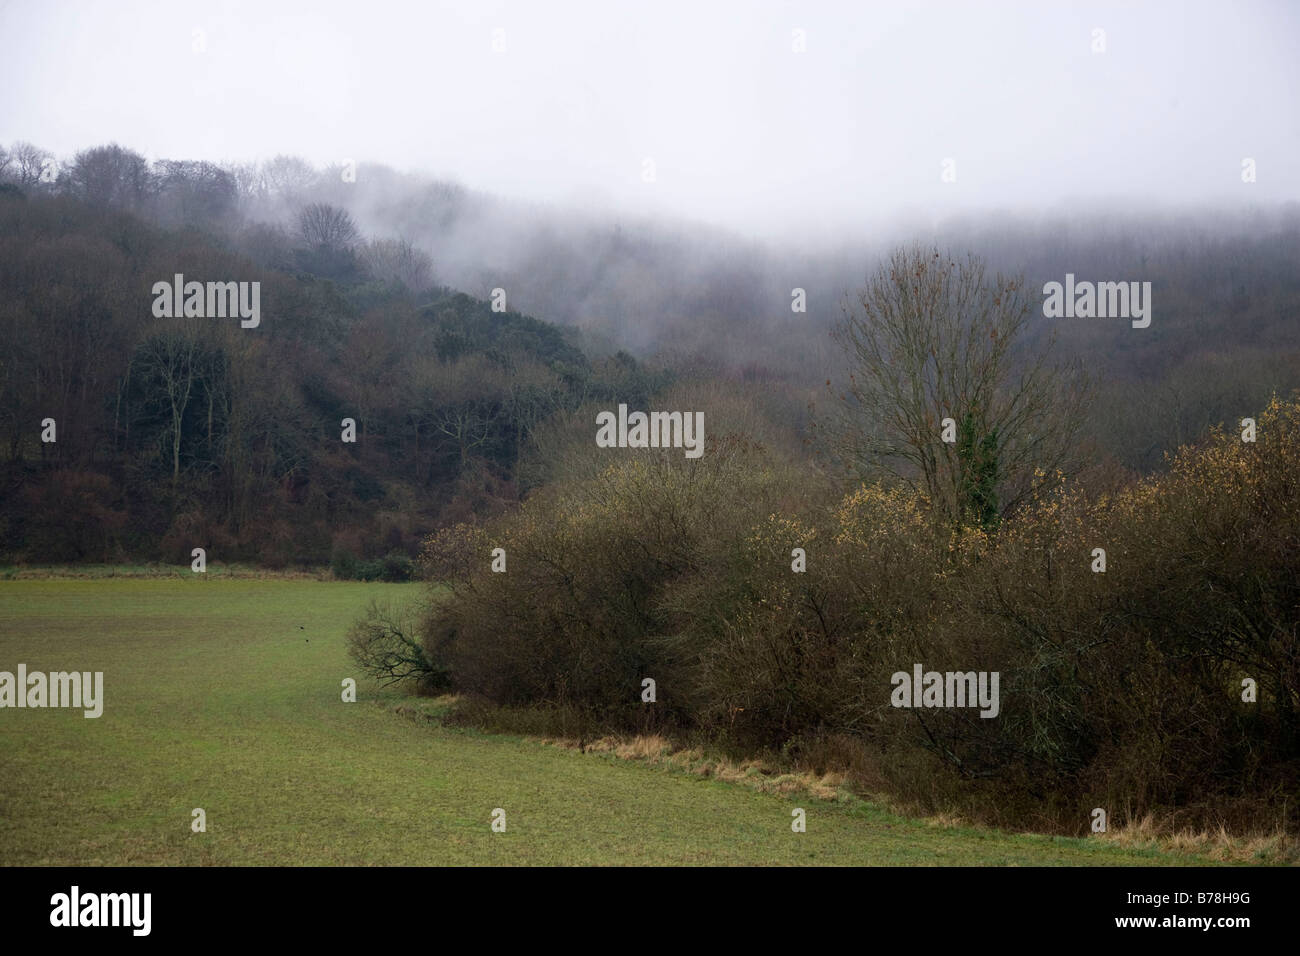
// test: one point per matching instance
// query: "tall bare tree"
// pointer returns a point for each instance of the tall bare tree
(171, 355)
(26, 163)
(288, 177)
(110, 175)
(931, 338)
(194, 192)
(398, 261)
(323, 225)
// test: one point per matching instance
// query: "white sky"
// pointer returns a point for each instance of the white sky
(744, 133)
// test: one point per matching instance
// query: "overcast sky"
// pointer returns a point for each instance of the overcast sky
(743, 131)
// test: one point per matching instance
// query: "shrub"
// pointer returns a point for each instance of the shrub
(1119, 689)
(394, 567)
(385, 644)
(343, 563)
(583, 614)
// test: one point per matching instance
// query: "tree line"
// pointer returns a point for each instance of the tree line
(172, 433)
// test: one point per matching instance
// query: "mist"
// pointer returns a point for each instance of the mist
(688, 112)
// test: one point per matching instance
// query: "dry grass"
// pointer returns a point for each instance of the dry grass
(1151, 832)
(755, 774)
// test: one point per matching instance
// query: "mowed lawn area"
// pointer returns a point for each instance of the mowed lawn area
(225, 694)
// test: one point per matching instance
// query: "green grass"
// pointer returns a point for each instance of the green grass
(216, 569)
(215, 698)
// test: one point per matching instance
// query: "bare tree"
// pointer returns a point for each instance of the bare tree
(386, 644)
(469, 425)
(110, 175)
(27, 161)
(929, 339)
(288, 177)
(322, 225)
(194, 191)
(397, 261)
(171, 354)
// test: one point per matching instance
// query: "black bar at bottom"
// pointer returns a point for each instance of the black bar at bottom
(337, 905)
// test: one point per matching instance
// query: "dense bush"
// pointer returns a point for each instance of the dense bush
(1135, 675)
(584, 613)
(1119, 689)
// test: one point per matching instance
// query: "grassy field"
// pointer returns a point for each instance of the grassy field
(225, 694)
